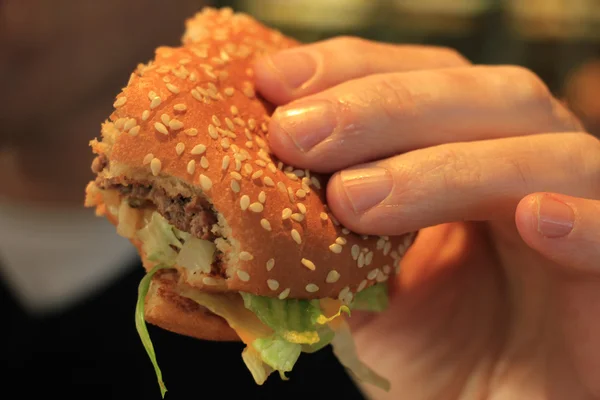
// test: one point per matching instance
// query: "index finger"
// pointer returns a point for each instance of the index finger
(304, 70)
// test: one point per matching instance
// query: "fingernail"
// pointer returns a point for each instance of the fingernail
(555, 218)
(366, 187)
(295, 68)
(307, 125)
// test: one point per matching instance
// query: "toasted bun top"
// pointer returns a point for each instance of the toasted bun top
(191, 122)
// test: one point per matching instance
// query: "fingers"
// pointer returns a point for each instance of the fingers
(300, 71)
(476, 181)
(563, 228)
(386, 114)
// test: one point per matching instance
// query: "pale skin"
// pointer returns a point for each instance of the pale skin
(500, 295)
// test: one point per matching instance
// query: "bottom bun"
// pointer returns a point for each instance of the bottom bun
(168, 310)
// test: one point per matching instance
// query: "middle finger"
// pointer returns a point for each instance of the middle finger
(386, 114)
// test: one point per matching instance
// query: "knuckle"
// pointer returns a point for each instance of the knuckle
(453, 168)
(394, 98)
(450, 57)
(529, 84)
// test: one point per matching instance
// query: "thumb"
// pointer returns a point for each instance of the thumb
(563, 228)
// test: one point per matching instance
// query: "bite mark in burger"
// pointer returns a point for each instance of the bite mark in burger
(236, 244)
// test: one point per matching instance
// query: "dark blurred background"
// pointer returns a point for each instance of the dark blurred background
(68, 283)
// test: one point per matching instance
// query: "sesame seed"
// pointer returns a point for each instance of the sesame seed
(245, 256)
(165, 119)
(361, 286)
(270, 264)
(308, 264)
(268, 181)
(196, 95)
(235, 186)
(148, 158)
(340, 240)
(191, 132)
(364, 237)
(249, 144)
(284, 294)
(301, 193)
(291, 194)
(372, 274)
(387, 248)
(191, 167)
(205, 182)
(238, 165)
(225, 163)
(198, 149)
(252, 124)
(236, 175)
(323, 216)
(333, 276)
(208, 280)
(244, 202)
(335, 248)
(257, 174)
(361, 260)
(298, 217)
(301, 208)
(355, 250)
(155, 103)
(229, 91)
(216, 120)
(248, 134)
(243, 275)
(179, 148)
(346, 231)
(264, 128)
(151, 95)
(155, 166)
(229, 124)
(161, 128)
(249, 92)
(280, 165)
(343, 293)
(296, 236)
(298, 172)
(166, 79)
(135, 130)
(145, 115)
(386, 269)
(212, 132)
(120, 102)
(281, 187)
(265, 223)
(131, 122)
(369, 258)
(286, 213)
(261, 143)
(312, 288)
(262, 197)
(172, 88)
(248, 168)
(272, 284)
(394, 254)
(291, 176)
(381, 277)
(204, 162)
(380, 243)
(225, 143)
(316, 183)
(180, 107)
(175, 124)
(256, 207)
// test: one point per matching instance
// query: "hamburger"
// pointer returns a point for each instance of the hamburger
(237, 245)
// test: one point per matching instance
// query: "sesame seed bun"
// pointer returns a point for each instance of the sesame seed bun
(191, 124)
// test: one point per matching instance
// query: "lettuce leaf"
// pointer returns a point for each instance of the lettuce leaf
(157, 238)
(296, 321)
(254, 362)
(345, 351)
(277, 352)
(374, 298)
(140, 324)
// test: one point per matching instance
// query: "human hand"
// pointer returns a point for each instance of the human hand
(499, 296)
